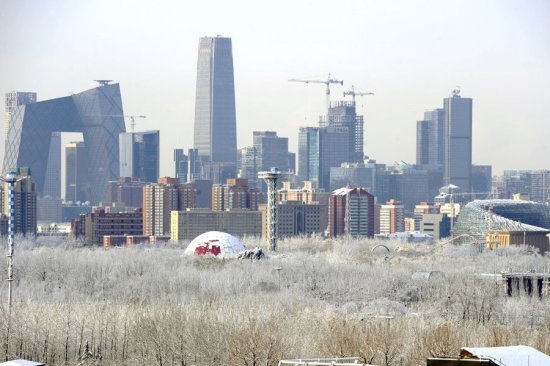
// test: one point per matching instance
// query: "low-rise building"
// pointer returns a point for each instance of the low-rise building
(437, 225)
(97, 224)
(307, 194)
(188, 224)
(296, 218)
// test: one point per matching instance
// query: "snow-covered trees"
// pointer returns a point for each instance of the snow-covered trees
(155, 306)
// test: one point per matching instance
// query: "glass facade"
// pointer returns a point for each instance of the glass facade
(97, 113)
(458, 142)
(139, 155)
(77, 185)
(215, 135)
(430, 138)
(181, 163)
(479, 217)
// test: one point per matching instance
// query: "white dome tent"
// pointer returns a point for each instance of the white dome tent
(215, 243)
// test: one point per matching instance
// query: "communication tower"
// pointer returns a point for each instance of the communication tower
(271, 177)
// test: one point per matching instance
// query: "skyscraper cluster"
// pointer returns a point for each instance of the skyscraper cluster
(336, 190)
(444, 141)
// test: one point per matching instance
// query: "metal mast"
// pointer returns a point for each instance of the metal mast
(270, 177)
(11, 179)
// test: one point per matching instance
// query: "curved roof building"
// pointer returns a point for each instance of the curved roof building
(479, 217)
(215, 243)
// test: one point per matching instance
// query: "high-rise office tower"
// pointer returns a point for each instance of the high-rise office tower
(482, 179)
(77, 185)
(194, 167)
(321, 148)
(248, 165)
(139, 155)
(97, 113)
(215, 134)
(353, 174)
(539, 185)
(52, 183)
(343, 114)
(11, 102)
(430, 139)
(458, 141)
(271, 150)
(268, 151)
(25, 202)
(181, 163)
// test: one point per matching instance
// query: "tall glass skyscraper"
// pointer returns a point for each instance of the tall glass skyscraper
(96, 113)
(458, 141)
(77, 184)
(215, 134)
(12, 101)
(321, 148)
(139, 155)
(430, 138)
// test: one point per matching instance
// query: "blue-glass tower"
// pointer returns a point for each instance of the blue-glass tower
(215, 135)
(96, 113)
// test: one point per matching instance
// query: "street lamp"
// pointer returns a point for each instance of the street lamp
(11, 179)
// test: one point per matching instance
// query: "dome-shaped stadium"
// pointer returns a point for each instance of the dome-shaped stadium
(479, 217)
(215, 243)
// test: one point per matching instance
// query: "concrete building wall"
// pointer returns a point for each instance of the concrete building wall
(186, 225)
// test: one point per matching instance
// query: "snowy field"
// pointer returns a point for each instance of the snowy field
(155, 306)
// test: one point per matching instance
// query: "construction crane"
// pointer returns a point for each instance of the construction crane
(131, 117)
(327, 82)
(133, 121)
(353, 93)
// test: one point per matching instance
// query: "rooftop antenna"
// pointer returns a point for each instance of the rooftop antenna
(103, 82)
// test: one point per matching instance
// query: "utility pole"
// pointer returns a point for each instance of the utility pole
(271, 177)
(11, 179)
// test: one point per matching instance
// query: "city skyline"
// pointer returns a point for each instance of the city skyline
(498, 61)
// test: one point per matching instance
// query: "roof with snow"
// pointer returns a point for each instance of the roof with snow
(216, 243)
(507, 356)
(346, 190)
(21, 363)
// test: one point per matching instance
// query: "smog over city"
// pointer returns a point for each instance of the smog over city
(288, 183)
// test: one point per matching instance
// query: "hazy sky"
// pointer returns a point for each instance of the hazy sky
(410, 53)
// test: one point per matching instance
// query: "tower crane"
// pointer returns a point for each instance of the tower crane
(133, 120)
(353, 94)
(327, 82)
